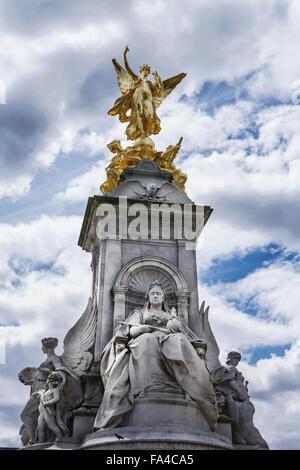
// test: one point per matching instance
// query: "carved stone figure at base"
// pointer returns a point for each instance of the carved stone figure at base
(233, 401)
(52, 360)
(74, 363)
(34, 377)
(50, 418)
(152, 350)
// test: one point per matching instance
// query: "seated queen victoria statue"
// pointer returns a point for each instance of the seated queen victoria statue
(152, 350)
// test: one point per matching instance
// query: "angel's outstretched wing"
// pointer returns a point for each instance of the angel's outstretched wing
(169, 86)
(169, 192)
(79, 340)
(129, 189)
(124, 78)
(213, 351)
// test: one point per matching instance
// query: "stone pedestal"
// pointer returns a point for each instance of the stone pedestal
(84, 417)
(155, 438)
(83, 423)
(124, 267)
(161, 421)
(66, 443)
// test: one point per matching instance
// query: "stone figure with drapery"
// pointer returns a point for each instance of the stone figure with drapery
(55, 385)
(234, 401)
(154, 350)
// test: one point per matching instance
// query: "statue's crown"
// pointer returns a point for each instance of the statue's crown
(145, 67)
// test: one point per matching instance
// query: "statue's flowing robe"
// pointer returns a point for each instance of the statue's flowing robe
(143, 118)
(156, 358)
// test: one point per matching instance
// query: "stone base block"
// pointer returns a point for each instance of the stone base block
(66, 443)
(248, 447)
(155, 438)
(165, 421)
(83, 423)
(225, 430)
(155, 408)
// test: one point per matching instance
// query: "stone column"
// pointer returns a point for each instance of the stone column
(94, 268)
(187, 266)
(109, 267)
(183, 305)
(119, 304)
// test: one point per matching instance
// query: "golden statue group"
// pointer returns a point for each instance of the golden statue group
(141, 97)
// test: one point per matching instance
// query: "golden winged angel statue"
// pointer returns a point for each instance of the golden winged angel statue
(142, 97)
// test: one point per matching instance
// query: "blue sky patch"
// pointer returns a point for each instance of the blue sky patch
(216, 94)
(22, 266)
(265, 352)
(47, 183)
(239, 266)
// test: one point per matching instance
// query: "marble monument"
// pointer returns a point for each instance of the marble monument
(140, 368)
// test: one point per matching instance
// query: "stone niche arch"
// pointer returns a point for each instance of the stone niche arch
(134, 279)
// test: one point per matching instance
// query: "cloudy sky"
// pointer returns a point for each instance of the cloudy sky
(238, 111)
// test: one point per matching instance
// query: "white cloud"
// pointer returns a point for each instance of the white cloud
(62, 66)
(253, 196)
(8, 433)
(85, 185)
(15, 188)
(44, 276)
(274, 385)
(272, 292)
(274, 382)
(235, 329)
(45, 284)
(221, 240)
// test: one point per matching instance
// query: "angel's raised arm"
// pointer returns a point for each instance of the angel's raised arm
(131, 73)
